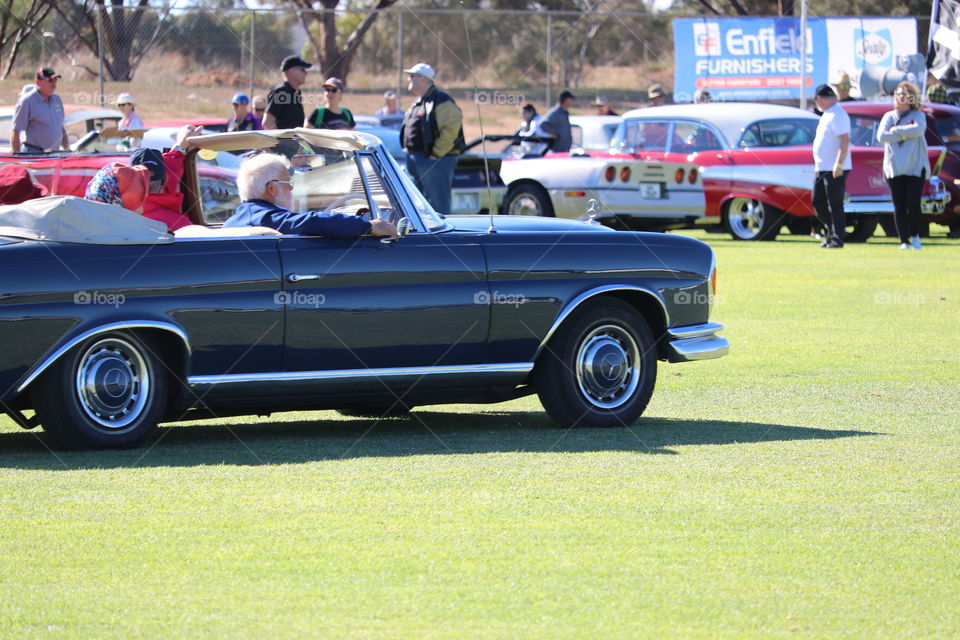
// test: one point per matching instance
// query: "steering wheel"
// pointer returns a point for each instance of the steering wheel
(344, 199)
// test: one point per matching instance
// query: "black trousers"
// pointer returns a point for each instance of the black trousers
(828, 195)
(906, 192)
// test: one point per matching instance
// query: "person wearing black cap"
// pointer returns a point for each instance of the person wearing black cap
(39, 115)
(165, 201)
(832, 164)
(556, 123)
(285, 102)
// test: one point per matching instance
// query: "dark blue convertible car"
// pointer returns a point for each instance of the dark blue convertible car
(109, 325)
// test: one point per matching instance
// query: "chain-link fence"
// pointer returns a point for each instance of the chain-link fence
(186, 63)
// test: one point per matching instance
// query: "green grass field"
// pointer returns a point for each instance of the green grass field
(805, 486)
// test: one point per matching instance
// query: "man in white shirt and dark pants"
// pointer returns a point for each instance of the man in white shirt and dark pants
(831, 158)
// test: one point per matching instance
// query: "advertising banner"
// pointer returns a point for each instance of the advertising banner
(759, 58)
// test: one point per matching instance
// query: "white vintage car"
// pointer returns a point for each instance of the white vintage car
(630, 194)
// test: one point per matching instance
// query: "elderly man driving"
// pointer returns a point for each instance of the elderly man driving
(267, 194)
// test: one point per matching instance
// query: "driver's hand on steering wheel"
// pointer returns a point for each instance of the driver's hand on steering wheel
(381, 227)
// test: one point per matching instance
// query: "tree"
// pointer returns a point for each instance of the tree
(125, 37)
(320, 22)
(17, 23)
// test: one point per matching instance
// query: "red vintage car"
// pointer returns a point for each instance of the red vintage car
(943, 130)
(756, 162)
(210, 192)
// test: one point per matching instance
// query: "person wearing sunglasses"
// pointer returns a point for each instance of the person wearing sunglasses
(259, 104)
(38, 116)
(130, 118)
(842, 85)
(332, 116)
(242, 120)
(266, 190)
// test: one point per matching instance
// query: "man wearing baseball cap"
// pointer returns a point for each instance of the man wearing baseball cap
(285, 102)
(39, 115)
(432, 135)
(242, 119)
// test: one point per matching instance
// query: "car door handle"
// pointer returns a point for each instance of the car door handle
(297, 277)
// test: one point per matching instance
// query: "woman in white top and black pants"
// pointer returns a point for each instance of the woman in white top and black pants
(905, 162)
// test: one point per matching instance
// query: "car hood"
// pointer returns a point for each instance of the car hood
(523, 223)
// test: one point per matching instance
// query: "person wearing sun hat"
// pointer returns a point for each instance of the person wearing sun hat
(17, 186)
(242, 119)
(842, 84)
(130, 118)
(38, 115)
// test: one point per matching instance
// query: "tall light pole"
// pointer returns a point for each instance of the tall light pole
(43, 46)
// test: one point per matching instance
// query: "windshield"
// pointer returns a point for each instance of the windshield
(323, 179)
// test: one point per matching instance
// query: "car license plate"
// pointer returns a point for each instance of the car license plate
(650, 190)
(466, 202)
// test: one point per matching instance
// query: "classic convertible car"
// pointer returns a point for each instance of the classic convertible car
(111, 325)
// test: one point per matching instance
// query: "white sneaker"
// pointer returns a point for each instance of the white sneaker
(915, 242)
(905, 246)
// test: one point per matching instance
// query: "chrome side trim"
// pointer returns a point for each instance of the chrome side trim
(696, 342)
(354, 374)
(104, 328)
(586, 295)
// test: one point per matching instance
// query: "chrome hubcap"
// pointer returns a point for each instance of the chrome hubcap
(608, 367)
(113, 383)
(745, 217)
(524, 204)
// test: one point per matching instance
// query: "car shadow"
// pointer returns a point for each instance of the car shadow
(422, 433)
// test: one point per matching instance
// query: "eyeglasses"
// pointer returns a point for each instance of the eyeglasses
(331, 89)
(260, 109)
(124, 104)
(843, 86)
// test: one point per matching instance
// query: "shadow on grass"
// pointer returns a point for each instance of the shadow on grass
(424, 433)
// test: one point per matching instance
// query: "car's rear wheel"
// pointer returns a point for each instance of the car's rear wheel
(109, 392)
(749, 219)
(600, 367)
(861, 227)
(527, 199)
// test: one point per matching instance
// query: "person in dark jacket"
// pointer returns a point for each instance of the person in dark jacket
(432, 136)
(265, 188)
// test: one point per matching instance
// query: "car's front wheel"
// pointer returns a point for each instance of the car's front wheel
(600, 367)
(527, 199)
(749, 219)
(109, 392)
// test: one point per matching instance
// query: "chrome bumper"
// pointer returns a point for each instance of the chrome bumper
(696, 342)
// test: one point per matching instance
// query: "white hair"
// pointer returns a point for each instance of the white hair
(257, 171)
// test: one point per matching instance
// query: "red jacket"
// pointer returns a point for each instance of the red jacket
(167, 205)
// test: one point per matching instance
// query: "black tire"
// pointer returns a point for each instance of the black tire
(800, 226)
(600, 368)
(527, 199)
(888, 225)
(748, 219)
(860, 228)
(398, 410)
(109, 392)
